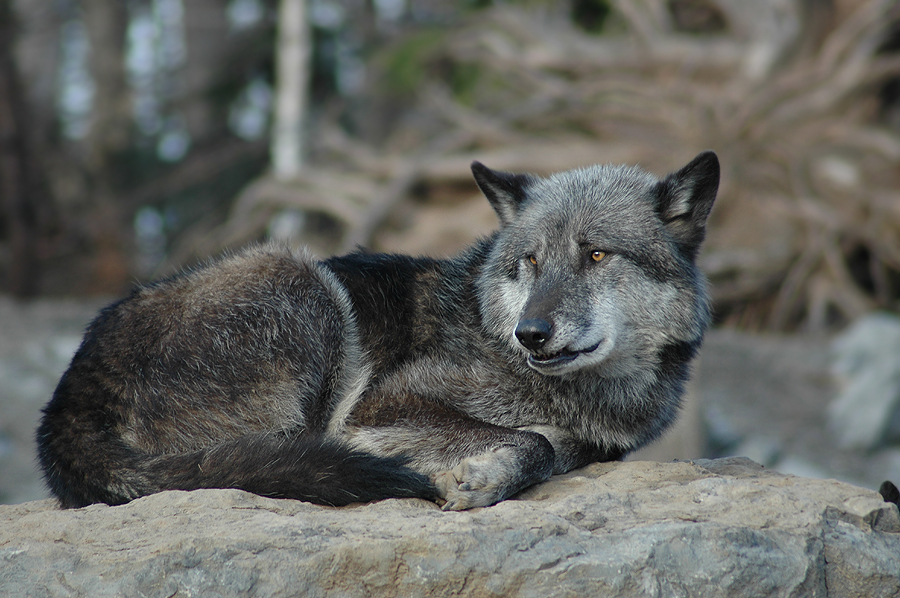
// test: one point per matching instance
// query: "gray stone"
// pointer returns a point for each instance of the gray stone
(866, 413)
(704, 528)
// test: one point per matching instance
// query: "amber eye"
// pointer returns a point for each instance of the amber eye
(533, 260)
(597, 255)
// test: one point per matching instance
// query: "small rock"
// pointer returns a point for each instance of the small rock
(762, 449)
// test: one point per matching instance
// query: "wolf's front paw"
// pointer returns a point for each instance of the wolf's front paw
(477, 481)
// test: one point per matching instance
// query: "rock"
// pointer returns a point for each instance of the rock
(722, 527)
(866, 413)
(767, 397)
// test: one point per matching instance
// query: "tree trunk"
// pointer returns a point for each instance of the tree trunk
(111, 121)
(109, 134)
(292, 60)
(206, 35)
(17, 187)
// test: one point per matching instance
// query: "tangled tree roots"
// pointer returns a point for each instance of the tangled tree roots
(807, 228)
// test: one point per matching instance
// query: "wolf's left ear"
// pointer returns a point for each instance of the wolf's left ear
(505, 190)
(686, 197)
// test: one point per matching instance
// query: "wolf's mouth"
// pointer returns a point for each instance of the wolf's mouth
(559, 357)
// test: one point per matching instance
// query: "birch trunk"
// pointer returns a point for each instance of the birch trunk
(291, 94)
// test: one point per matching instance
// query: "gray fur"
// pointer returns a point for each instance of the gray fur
(564, 338)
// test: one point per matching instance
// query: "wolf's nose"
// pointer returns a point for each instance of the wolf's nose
(533, 333)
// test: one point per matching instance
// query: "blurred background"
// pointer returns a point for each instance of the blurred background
(138, 137)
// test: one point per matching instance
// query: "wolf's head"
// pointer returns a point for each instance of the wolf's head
(595, 267)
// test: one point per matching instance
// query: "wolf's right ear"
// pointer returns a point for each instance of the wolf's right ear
(686, 197)
(505, 190)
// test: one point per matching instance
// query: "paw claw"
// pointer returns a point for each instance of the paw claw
(477, 481)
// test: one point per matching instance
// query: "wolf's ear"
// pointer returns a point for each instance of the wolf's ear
(685, 199)
(504, 190)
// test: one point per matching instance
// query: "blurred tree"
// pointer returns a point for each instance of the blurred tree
(208, 46)
(17, 185)
(108, 137)
(111, 114)
(146, 118)
(293, 54)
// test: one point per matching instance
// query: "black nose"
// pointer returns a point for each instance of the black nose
(533, 333)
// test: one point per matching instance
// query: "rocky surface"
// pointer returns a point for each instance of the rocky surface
(704, 528)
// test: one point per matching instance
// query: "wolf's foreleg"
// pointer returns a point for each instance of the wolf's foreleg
(472, 463)
(474, 481)
(495, 474)
(570, 452)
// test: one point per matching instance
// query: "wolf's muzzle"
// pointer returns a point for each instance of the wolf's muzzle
(534, 333)
(558, 358)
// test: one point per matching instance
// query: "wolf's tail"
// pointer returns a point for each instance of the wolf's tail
(308, 468)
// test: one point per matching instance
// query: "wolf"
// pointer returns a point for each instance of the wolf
(563, 338)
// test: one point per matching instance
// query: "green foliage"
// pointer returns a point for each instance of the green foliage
(421, 57)
(590, 15)
(406, 65)
(464, 79)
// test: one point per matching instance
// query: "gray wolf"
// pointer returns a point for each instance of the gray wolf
(562, 339)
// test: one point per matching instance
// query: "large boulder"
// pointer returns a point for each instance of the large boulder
(723, 527)
(866, 413)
